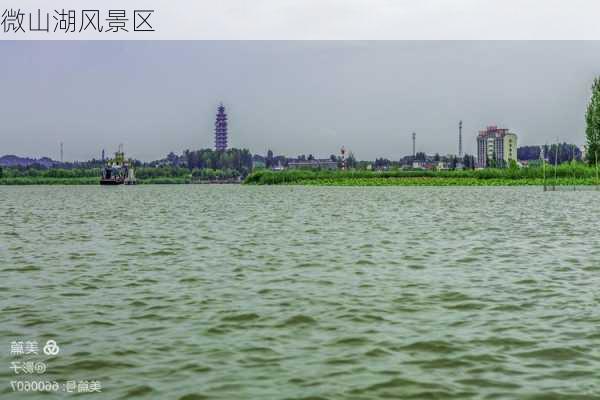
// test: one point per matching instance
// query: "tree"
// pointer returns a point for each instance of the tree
(351, 161)
(172, 159)
(528, 153)
(453, 162)
(491, 162)
(239, 160)
(561, 153)
(592, 119)
(382, 163)
(468, 161)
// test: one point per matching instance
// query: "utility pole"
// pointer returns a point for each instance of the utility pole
(543, 157)
(597, 174)
(460, 152)
(556, 163)
(414, 138)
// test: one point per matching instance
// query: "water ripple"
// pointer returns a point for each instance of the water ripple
(234, 292)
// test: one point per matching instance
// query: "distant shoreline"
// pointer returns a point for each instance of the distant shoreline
(576, 174)
(358, 182)
(430, 182)
(26, 181)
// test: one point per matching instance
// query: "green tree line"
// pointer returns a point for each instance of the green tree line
(592, 119)
(239, 160)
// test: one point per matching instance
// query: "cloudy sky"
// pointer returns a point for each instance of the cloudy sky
(292, 97)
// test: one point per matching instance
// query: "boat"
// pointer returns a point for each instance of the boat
(118, 171)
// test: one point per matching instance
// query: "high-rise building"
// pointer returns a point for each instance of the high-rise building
(221, 129)
(496, 146)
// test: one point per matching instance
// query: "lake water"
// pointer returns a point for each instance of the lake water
(235, 292)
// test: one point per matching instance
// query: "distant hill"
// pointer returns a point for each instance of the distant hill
(16, 161)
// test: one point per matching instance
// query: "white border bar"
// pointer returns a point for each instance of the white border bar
(335, 19)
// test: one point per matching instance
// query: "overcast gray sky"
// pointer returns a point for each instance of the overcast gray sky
(292, 97)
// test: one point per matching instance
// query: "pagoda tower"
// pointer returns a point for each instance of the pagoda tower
(221, 129)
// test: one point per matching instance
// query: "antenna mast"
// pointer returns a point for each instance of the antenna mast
(460, 151)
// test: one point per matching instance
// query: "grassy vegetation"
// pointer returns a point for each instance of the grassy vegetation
(91, 176)
(566, 174)
(164, 181)
(83, 181)
(25, 180)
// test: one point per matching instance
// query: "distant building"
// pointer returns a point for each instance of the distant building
(496, 145)
(258, 161)
(430, 165)
(314, 164)
(442, 166)
(419, 164)
(221, 129)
